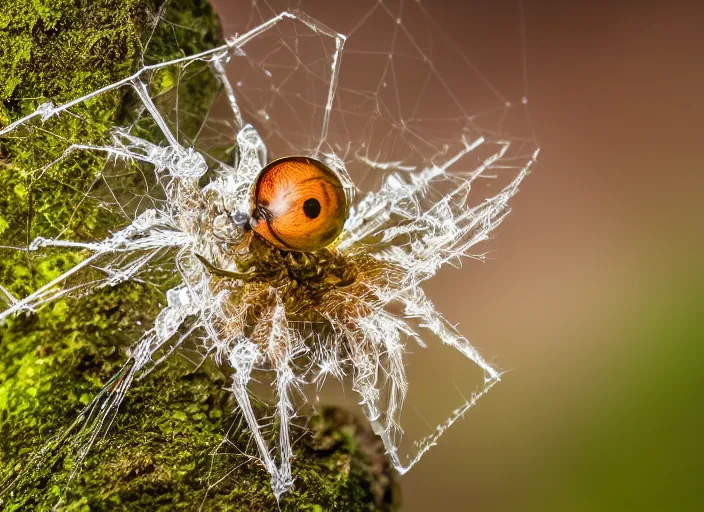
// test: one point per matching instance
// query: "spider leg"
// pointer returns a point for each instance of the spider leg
(419, 306)
(381, 349)
(121, 241)
(219, 71)
(281, 349)
(283, 346)
(95, 420)
(100, 413)
(284, 409)
(242, 359)
(141, 90)
(379, 374)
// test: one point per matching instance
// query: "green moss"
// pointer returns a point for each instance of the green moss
(53, 362)
(58, 52)
(158, 456)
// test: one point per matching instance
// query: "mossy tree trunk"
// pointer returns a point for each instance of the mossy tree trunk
(53, 362)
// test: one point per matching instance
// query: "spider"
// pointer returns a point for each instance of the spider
(285, 270)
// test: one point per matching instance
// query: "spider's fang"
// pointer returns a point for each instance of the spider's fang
(245, 276)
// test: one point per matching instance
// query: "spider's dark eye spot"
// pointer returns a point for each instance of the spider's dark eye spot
(311, 208)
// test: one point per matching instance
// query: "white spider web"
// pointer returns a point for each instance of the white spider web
(434, 149)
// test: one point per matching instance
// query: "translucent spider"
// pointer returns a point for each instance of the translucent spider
(302, 307)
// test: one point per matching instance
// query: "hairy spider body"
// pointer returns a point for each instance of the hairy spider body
(322, 288)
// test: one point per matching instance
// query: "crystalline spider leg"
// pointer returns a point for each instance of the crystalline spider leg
(285, 378)
(474, 225)
(376, 208)
(180, 306)
(111, 151)
(383, 424)
(119, 241)
(383, 332)
(365, 364)
(94, 421)
(222, 76)
(172, 349)
(445, 231)
(210, 313)
(382, 335)
(48, 110)
(128, 239)
(243, 357)
(282, 348)
(29, 302)
(365, 353)
(185, 165)
(233, 187)
(417, 305)
(143, 94)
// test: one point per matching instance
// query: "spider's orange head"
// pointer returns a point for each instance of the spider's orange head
(299, 204)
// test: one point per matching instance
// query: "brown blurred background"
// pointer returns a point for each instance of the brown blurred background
(593, 296)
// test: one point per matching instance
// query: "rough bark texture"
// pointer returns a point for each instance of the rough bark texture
(157, 456)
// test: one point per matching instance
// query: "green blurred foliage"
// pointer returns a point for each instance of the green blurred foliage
(642, 449)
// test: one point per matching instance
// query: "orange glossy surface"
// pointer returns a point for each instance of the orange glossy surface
(300, 204)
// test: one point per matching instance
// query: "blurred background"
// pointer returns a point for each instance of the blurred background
(593, 295)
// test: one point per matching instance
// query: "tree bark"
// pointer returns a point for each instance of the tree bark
(158, 453)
